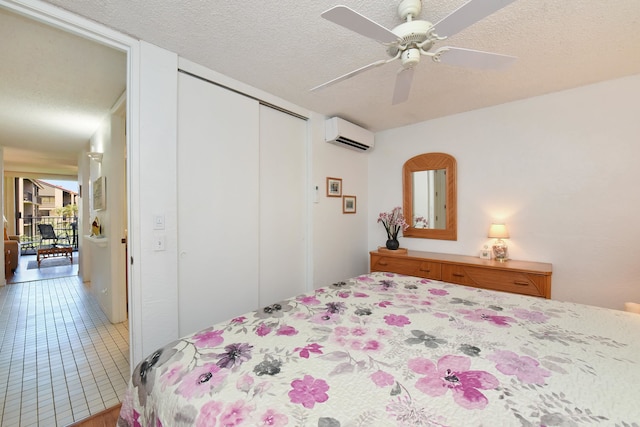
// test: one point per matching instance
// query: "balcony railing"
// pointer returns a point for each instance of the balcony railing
(65, 228)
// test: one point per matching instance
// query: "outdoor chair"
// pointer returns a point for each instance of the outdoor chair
(47, 233)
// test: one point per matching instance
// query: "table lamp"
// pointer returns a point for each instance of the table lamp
(500, 250)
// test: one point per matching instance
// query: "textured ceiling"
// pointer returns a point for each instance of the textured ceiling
(285, 48)
(54, 90)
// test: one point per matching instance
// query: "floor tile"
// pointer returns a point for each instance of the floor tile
(61, 360)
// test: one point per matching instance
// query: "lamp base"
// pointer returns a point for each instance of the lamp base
(500, 251)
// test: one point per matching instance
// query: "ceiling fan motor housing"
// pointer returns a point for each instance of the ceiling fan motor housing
(411, 34)
(409, 7)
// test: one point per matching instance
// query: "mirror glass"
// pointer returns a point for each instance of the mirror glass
(429, 199)
(429, 196)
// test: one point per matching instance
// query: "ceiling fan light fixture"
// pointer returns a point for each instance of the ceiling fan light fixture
(410, 57)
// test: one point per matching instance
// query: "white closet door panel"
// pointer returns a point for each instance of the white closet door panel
(283, 213)
(218, 161)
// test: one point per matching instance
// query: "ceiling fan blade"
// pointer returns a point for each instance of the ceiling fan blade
(472, 58)
(352, 20)
(401, 92)
(352, 73)
(468, 14)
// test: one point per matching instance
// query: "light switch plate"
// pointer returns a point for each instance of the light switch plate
(158, 243)
(158, 222)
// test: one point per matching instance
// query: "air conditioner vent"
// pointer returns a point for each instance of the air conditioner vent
(340, 132)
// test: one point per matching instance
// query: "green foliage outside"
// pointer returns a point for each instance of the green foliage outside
(68, 211)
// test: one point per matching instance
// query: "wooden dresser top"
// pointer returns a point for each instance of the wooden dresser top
(515, 265)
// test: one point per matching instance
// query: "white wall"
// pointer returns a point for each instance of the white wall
(561, 170)
(154, 290)
(339, 240)
(99, 255)
(103, 260)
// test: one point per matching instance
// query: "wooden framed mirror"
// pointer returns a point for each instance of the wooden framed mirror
(430, 196)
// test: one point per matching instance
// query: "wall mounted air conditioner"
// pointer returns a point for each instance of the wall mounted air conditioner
(340, 132)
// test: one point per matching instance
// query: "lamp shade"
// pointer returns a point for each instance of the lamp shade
(498, 231)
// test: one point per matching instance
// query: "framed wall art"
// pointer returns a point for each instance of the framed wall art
(349, 204)
(99, 194)
(334, 187)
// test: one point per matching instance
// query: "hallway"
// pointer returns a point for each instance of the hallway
(61, 360)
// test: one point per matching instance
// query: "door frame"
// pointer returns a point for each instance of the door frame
(58, 18)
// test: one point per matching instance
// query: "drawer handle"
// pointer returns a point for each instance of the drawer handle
(426, 270)
(520, 283)
(382, 263)
(458, 275)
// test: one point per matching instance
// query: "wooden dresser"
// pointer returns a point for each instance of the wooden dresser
(520, 277)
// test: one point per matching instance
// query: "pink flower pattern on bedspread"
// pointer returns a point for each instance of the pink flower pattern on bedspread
(391, 350)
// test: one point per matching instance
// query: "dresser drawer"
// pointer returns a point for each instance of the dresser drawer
(430, 270)
(407, 266)
(498, 280)
(519, 277)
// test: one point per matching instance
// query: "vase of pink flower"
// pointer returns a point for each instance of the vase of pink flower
(393, 222)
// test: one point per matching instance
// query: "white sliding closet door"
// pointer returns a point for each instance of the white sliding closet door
(218, 210)
(283, 214)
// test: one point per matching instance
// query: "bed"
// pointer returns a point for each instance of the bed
(389, 350)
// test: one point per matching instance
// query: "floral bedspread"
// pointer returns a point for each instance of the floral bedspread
(390, 350)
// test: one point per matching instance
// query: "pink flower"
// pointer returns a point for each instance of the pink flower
(208, 338)
(382, 378)
(235, 414)
(309, 300)
(286, 330)
(358, 331)
(384, 332)
(263, 330)
(341, 331)
(172, 375)
(355, 344)
(486, 315)
(326, 318)
(208, 414)
(372, 345)
(531, 316)
(396, 320)
(439, 292)
(393, 222)
(308, 391)
(452, 373)
(360, 295)
(311, 348)
(261, 388)
(240, 319)
(272, 418)
(525, 368)
(384, 304)
(244, 383)
(441, 315)
(201, 380)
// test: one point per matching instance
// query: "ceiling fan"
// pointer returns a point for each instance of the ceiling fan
(415, 38)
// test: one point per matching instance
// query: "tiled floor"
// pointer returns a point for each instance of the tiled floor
(61, 359)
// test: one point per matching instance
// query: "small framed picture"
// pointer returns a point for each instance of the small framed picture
(485, 253)
(349, 204)
(334, 187)
(99, 191)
